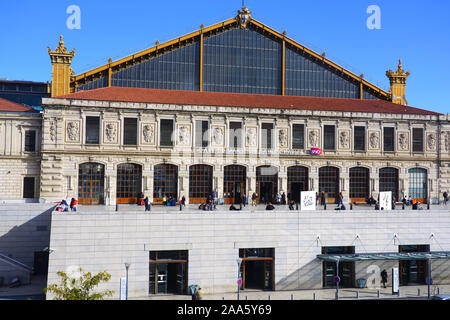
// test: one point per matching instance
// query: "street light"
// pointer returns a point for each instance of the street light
(239, 261)
(127, 265)
(429, 274)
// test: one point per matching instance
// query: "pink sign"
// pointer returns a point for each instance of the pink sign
(315, 151)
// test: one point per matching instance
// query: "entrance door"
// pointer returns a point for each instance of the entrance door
(413, 272)
(296, 188)
(91, 178)
(41, 262)
(266, 192)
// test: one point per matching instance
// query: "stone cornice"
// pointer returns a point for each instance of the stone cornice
(56, 103)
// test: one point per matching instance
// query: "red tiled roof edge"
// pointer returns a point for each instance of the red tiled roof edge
(142, 95)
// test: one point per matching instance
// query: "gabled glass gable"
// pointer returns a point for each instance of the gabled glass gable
(236, 61)
(242, 61)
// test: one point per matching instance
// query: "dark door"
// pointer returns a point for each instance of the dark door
(296, 188)
(41, 262)
(28, 187)
(266, 192)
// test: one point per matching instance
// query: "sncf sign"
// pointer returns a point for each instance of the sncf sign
(315, 151)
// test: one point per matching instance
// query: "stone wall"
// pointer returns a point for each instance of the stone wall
(104, 241)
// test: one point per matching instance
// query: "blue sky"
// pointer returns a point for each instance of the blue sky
(416, 31)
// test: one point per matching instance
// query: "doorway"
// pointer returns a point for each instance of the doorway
(266, 193)
(346, 269)
(257, 268)
(168, 272)
(413, 272)
(296, 188)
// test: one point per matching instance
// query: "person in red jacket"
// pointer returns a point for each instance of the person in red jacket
(73, 204)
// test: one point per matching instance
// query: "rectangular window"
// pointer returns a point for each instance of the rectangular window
(388, 139)
(329, 137)
(235, 134)
(298, 136)
(166, 132)
(30, 140)
(266, 135)
(28, 187)
(359, 138)
(92, 130)
(201, 133)
(130, 131)
(417, 140)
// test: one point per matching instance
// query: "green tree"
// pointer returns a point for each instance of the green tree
(79, 288)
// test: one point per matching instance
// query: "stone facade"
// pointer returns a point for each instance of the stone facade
(64, 147)
(15, 162)
(98, 241)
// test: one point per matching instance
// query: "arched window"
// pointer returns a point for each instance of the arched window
(234, 183)
(200, 183)
(359, 184)
(165, 181)
(329, 183)
(418, 184)
(389, 181)
(297, 177)
(129, 183)
(91, 183)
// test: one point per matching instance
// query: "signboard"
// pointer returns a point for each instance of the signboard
(336, 279)
(123, 288)
(395, 280)
(315, 151)
(307, 200)
(239, 282)
(386, 200)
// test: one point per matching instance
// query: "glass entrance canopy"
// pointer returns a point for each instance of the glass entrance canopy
(385, 256)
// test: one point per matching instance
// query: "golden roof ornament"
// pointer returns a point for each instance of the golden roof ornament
(244, 16)
(61, 48)
(400, 73)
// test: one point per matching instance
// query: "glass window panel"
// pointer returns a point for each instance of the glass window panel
(93, 130)
(329, 137)
(130, 131)
(388, 139)
(30, 140)
(298, 136)
(359, 138)
(417, 139)
(166, 132)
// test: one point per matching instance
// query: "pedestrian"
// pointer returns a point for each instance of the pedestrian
(199, 294)
(244, 199)
(73, 204)
(183, 201)
(254, 199)
(340, 199)
(147, 204)
(445, 197)
(270, 206)
(384, 277)
(291, 205)
(322, 198)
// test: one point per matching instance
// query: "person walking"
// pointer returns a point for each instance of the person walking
(147, 204)
(384, 277)
(445, 197)
(340, 199)
(322, 198)
(254, 196)
(183, 201)
(244, 199)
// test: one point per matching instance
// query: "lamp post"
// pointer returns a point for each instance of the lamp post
(127, 265)
(429, 274)
(239, 261)
(337, 279)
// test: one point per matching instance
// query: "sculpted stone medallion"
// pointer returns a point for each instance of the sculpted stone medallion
(251, 137)
(374, 140)
(403, 141)
(73, 131)
(148, 132)
(344, 139)
(283, 138)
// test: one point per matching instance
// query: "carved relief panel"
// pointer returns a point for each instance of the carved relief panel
(148, 133)
(403, 141)
(72, 131)
(111, 132)
(431, 141)
(183, 135)
(218, 135)
(283, 138)
(251, 137)
(313, 138)
(344, 139)
(374, 140)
